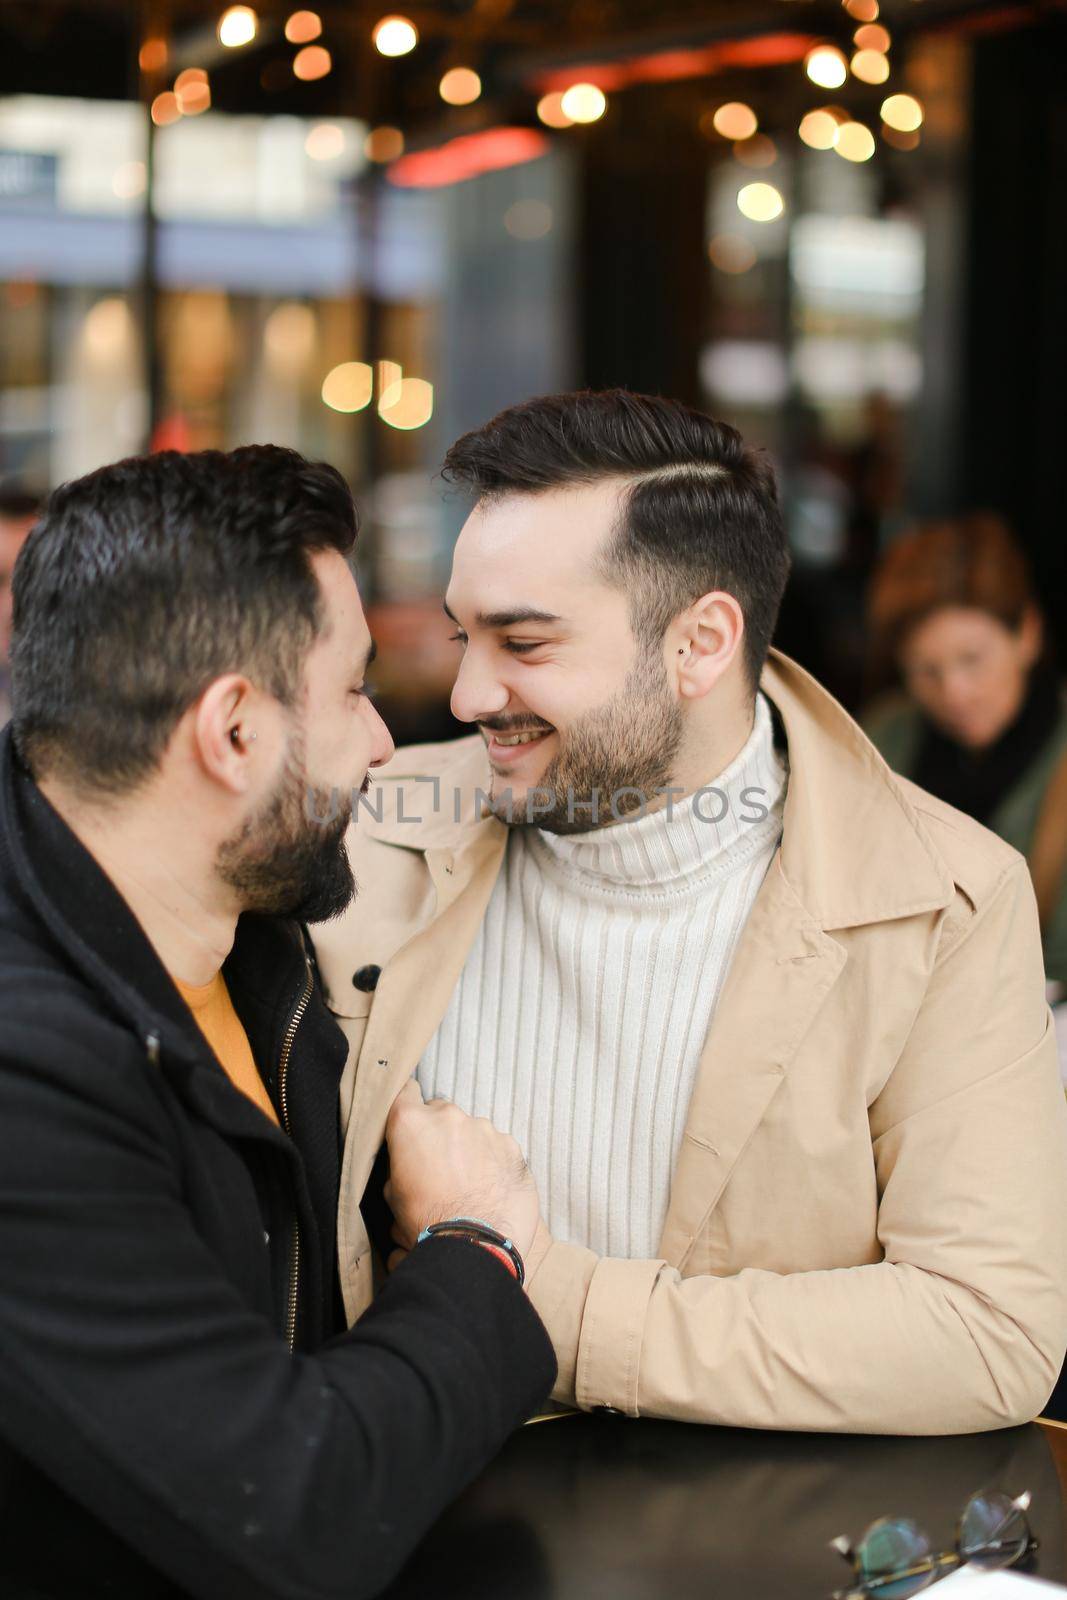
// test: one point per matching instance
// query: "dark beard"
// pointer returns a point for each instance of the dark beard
(285, 862)
(629, 744)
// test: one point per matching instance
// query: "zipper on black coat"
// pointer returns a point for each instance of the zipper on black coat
(283, 1100)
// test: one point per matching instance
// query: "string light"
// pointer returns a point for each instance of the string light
(872, 36)
(237, 26)
(862, 10)
(152, 56)
(165, 109)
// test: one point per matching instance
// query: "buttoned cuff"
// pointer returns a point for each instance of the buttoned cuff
(558, 1278)
(613, 1330)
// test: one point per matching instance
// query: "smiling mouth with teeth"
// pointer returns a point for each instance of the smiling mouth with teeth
(519, 738)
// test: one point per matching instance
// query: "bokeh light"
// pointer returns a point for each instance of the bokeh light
(826, 66)
(192, 91)
(870, 66)
(903, 112)
(349, 386)
(383, 144)
(460, 86)
(855, 142)
(303, 26)
(165, 109)
(756, 152)
(129, 180)
(731, 253)
(551, 112)
(760, 202)
(313, 62)
(237, 26)
(872, 36)
(152, 56)
(395, 36)
(407, 403)
(735, 120)
(325, 142)
(818, 129)
(862, 10)
(584, 102)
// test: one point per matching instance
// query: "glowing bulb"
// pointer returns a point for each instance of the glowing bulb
(903, 112)
(826, 66)
(349, 386)
(760, 202)
(395, 36)
(735, 120)
(302, 27)
(872, 36)
(460, 86)
(237, 26)
(819, 130)
(870, 66)
(584, 102)
(855, 142)
(383, 144)
(551, 112)
(312, 62)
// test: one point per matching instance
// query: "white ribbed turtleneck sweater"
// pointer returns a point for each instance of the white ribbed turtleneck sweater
(580, 1016)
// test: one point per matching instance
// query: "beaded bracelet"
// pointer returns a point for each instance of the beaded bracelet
(478, 1232)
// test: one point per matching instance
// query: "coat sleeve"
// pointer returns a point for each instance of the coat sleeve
(961, 1326)
(136, 1379)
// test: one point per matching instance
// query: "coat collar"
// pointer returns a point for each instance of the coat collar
(853, 848)
(91, 923)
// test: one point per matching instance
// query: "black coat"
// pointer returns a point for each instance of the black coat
(149, 1217)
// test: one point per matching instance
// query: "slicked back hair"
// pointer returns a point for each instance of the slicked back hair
(699, 508)
(145, 581)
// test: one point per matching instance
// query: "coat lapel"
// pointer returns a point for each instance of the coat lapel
(782, 973)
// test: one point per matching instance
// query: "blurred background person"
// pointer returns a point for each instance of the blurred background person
(18, 513)
(981, 720)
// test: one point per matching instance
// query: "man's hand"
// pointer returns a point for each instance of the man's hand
(445, 1164)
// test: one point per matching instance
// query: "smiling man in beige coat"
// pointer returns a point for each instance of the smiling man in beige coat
(767, 1020)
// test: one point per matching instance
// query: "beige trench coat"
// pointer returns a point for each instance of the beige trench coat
(867, 1227)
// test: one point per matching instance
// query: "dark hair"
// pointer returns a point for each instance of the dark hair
(700, 512)
(148, 579)
(971, 560)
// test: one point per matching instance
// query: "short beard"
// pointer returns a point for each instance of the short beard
(283, 862)
(624, 751)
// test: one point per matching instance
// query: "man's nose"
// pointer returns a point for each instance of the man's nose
(382, 746)
(477, 692)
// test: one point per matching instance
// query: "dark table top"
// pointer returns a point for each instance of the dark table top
(602, 1508)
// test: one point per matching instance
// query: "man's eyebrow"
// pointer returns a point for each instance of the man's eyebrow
(507, 619)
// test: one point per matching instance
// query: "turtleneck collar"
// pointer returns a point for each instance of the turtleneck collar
(706, 835)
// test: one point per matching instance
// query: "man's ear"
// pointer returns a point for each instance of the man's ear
(223, 732)
(703, 641)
